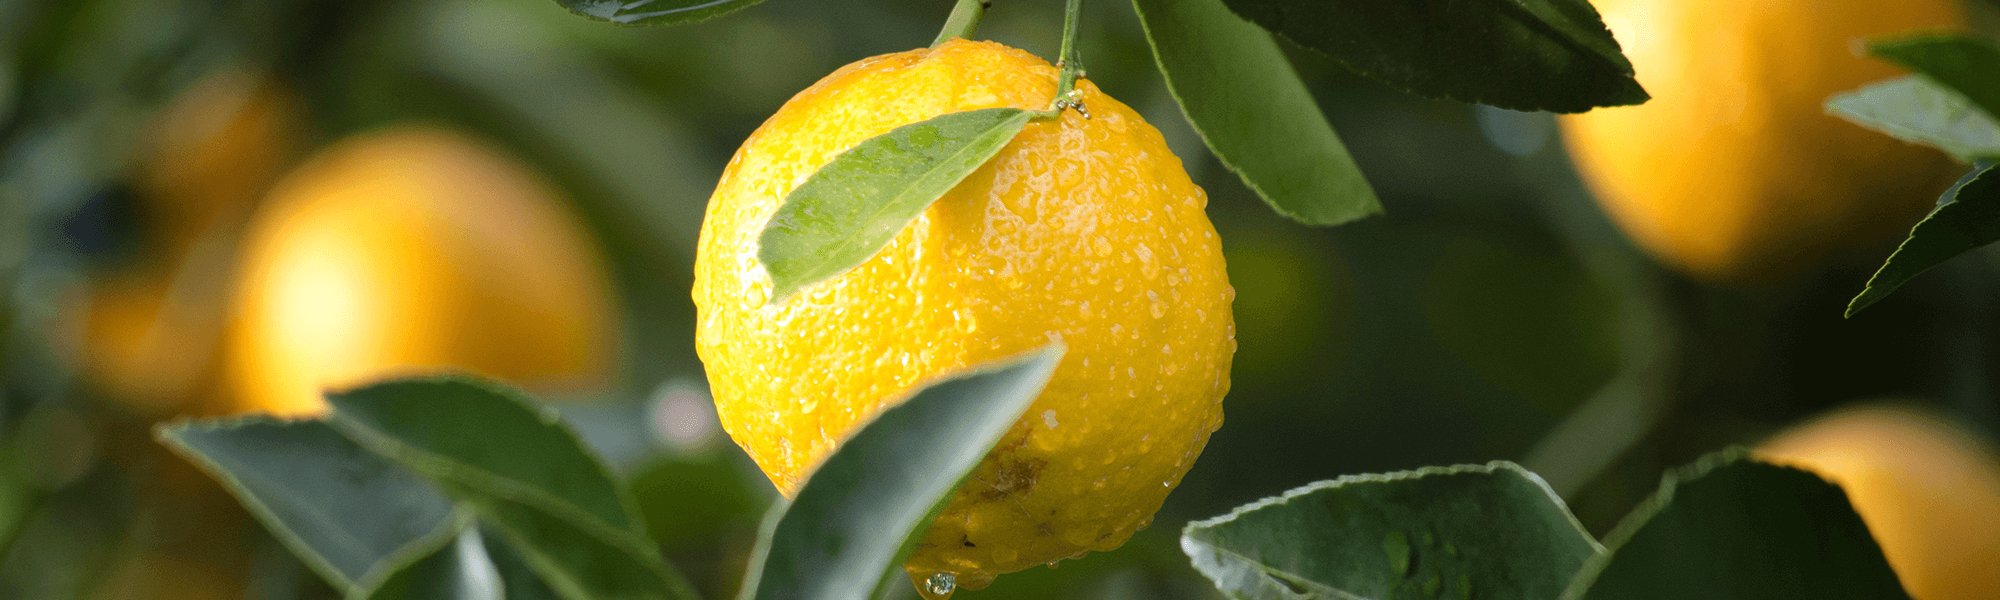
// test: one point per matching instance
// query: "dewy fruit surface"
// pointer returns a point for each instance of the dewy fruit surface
(1081, 230)
(1734, 171)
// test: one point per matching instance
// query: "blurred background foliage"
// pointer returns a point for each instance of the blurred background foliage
(1493, 313)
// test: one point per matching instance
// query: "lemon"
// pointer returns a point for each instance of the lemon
(411, 250)
(147, 333)
(1083, 230)
(1927, 488)
(215, 150)
(1733, 171)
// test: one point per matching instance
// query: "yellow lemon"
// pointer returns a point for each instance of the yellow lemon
(148, 333)
(1733, 171)
(1928, 489)
(1084, 230)
(214, 151)
(414, 249)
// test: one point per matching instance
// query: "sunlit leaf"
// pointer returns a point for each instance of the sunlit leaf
(1968, 218)
(655, 12)
(352, 516)
(1963, 63)
(854, 205)
(1239, 91)
(1918, 110)
(1730, 528)
(1474, 531)
(860, 514)
(515, 465)
(1553, 55)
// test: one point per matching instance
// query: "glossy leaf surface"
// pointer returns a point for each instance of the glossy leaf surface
(860, 514)
(516, 466)
(1553, 55)
(351, 515)
(655, 12)
(1966, 64)
(1730, 528)
(1918, 110)
(1968, 218)
(1239, 91)
(854, 205)
(1474, 531)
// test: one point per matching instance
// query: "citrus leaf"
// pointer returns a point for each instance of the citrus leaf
(1238, 90)
(1916, 109)
(1967, 217)
(1969, 65)
(459, 570)
(655, 12)
(350, 515)
(861, 513)
(1729, 528)
(1486, 531)
(1553, 55)
(516, 466)
(474, 566)
(852, 207)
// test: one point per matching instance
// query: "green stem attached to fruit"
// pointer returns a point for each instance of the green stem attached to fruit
(1069, 64)
(964, 20)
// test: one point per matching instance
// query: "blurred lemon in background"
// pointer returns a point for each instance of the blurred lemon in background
(215, 150)
(1081, 230)
(1928, 489)
(412, 250)
(149, 329)
(1733, 171)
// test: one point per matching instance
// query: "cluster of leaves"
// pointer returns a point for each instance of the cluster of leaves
(1224, 65)
(1726, 527)
(1951, 102)
(460, 489)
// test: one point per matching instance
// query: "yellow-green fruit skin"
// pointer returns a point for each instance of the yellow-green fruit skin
(1085, 231)
(1733, 171)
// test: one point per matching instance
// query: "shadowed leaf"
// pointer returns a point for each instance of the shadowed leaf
(1239, 91)
(515, 465)
(655, 12)
(1730, 528)
(1968, 218)
(1484, 531)
(1553, 55)
(860, 513)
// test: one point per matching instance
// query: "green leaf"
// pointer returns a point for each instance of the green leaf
(352, 516)
(1966, 64)
(1918, 110)
(655, 12)
(513, 463)
(1238, 90)
(1553, 55)
(473, 567)
(1731, 528)
(456, 571)
(852, 207)
(1968, 218)
(1485, 531)
(859, 515)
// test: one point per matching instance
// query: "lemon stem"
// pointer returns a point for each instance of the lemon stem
(1069, 64)
(963, 21)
